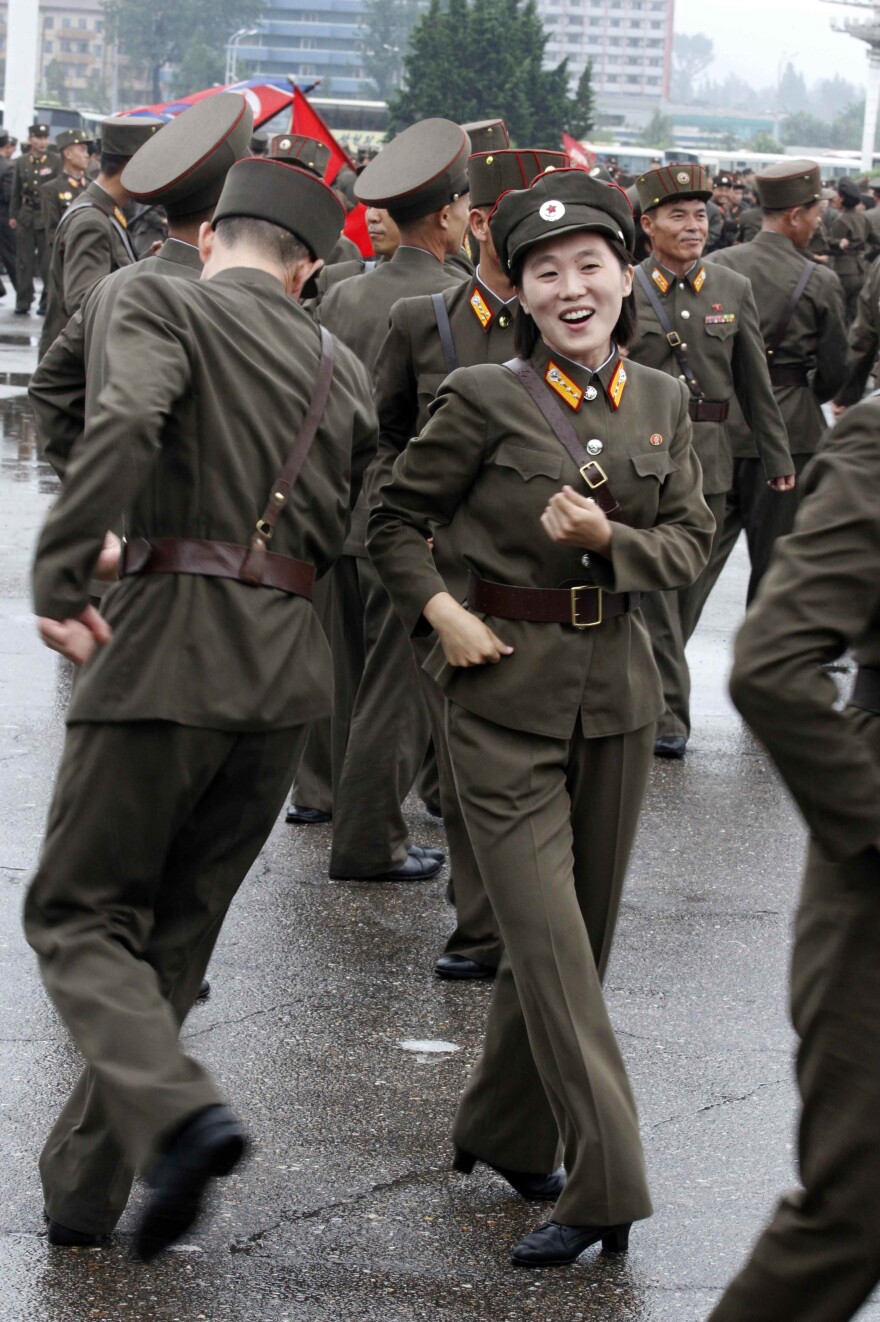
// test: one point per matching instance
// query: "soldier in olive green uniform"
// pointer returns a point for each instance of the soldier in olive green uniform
(552, 687)
(848, 240)
(698, 322)
(380, 719)
(31, 171)
(208, 139)
(186, 723)
(864, 340)
(819, 1258)
(312, 155)
(91, 239)
(430, 336)
(56, 194)
(7, 236)
(801, 310)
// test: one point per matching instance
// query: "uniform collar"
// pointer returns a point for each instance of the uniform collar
(660, 275)
(487, 308)
(573, 383)
(183, 254)
(770, 239)
(406, 255)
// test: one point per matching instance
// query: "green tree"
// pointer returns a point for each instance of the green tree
(763, 142)
(582, 118)
(793, 95)
(476, 59)
(159, 33)
(806, 130)
(691, 56)
(387, 26)
(659, 131)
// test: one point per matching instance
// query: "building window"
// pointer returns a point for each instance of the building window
(49, 22)
(48, 47)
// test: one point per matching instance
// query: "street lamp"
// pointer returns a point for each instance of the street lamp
(232, 50)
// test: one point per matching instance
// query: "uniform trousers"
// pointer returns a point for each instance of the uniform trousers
(313, 784)
(671, 618)
(152, 829)
(476, 931)
(375, 766)
(552, 823)
(8, 254)
(31, 259)
(819, 1258)
(852, 287)
(765, 516)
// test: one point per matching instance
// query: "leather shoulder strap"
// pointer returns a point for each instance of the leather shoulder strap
(254, 564)
(590, 471)
(673, 338)
(791, 307)
(447, 343)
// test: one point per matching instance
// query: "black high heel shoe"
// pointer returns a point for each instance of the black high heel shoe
(534, 1188)
(555, 1245)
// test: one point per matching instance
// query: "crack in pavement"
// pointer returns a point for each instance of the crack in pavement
(714, 1106)
(310, 1214)
(243, 1019)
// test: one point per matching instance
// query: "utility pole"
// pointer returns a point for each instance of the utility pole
(22, 31)
(868, 30)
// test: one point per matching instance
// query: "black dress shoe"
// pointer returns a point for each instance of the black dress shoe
(22, 312)
(64, 1237)
(458, 966)
(554, 1245)
(422, 851)
(414, 869)
(204, 990)
(670, 745)
(209, 1145)
(307, 816)
(534, 1188)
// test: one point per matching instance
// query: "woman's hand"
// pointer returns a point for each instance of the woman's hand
(465, 639)
(575, 520)
(75, 639)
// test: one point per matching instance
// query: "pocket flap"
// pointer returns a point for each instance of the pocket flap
(657, 464)
(721, 330)
(528, 463)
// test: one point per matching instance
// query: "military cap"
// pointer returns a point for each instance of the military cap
(285, 195)
(848, 188)
(559, 203)
(72, 138)
(308, 153)
(673, 183)
(487, 135)
(4, 139)
(39, 131)
(420, 171)
(183, 166)
(123, 137)
(722, 181)
(493, 173)
(259, 144)
(600, 172)
(796, 183)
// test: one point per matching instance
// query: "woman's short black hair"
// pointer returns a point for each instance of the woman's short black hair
(526, 333)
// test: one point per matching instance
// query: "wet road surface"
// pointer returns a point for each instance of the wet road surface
(344, 1056)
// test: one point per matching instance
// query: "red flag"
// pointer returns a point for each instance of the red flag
(355, 228)
(580, 154)
(307, 122)
(265, 99)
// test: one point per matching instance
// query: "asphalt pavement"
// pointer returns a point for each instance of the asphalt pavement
(345, 1056)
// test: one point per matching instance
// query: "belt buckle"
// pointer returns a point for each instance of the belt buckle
(673, 339)
(603, 476)
(584, 624)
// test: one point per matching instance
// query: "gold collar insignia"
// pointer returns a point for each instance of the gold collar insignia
(482, 311)
(617, 385)
(700, 279)
(660, 280)
(565, 388)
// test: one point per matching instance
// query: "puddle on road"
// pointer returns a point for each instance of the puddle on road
(19, 453)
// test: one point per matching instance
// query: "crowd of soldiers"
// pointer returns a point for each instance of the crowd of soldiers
(442, 592)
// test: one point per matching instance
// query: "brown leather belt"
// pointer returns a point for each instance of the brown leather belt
(190, 555)
(582, 605)
(788, 374)
(866, 693)
(708, 410)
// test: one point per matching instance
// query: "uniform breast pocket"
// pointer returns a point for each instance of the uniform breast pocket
(659, 465)
(527, 463)
(722, 330)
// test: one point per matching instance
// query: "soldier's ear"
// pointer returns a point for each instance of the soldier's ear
(207, 239)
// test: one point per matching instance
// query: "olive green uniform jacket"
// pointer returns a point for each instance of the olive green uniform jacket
(864, 339)
(815, 338)
(56, 195)
(849, 262)
(212, 653)
(70, 376)
(487, 463)
(29, 174)
(719, 324)
(358, 312)
(90, 244)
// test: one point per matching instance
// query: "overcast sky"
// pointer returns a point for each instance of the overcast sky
(757, 37)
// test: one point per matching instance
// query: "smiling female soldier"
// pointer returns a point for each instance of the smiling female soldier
(569, 485)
